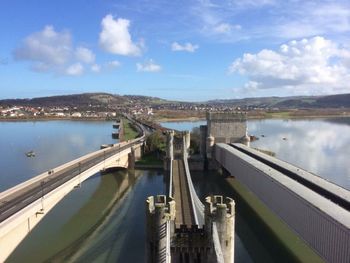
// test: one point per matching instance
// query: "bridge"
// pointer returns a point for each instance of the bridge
(315, 209)
(180, 228)
(23, 206)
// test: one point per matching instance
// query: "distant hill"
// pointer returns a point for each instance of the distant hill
(105, 100)
(84, 100)
(328, 101)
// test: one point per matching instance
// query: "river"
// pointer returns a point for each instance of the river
(320, 146)
(104, 219)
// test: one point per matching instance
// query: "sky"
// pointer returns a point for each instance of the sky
(191, 50)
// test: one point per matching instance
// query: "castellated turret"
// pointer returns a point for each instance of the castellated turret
(160, 215)
(220, 214)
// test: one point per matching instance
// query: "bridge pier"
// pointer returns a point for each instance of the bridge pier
(170, 150)
(134, 155)
(222, 127)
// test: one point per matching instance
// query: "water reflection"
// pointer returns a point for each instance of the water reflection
(106, 222)
(183, 125)
(54, 142)
(319, 146)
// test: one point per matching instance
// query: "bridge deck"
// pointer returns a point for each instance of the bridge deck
(184, 211)
(14, 202)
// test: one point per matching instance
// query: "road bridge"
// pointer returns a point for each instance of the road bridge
(23, 206)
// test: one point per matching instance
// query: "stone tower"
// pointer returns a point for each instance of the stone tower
(219, 213)
(160, 215)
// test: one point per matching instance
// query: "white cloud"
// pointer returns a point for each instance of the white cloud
(113, 64)
(84, 55)
(185, 47)
(96, 68)
(52, 51)
(115, 37)
(253, 3)
(75, 69)
(271, 20)
(148, 66)
(225, 28)
(48, 47)
(308, 66)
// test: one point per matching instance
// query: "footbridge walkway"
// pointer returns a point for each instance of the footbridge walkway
(23, 206)
(180, 228)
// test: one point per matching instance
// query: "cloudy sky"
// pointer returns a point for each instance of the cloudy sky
(190, 50)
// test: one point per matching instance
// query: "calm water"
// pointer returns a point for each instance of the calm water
(104, 219)
(54, 142)
(100, 222)
(320, 146)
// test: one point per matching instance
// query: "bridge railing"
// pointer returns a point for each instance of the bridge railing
(196, 203)
(171, 179)
(105, 153)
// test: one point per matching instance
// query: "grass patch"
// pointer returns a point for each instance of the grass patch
(149, 159)
(281, 114)
(130, 131)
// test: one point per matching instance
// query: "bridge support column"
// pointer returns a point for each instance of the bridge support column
(221, 211)
(170, 150)
(131, 159)
(137, 152)
(160, 215)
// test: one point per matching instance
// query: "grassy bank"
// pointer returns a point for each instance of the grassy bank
(129, 130)
(149, 159)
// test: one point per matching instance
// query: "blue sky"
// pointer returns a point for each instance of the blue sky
(190, 50)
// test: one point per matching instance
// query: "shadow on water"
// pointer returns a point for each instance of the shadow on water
(248, 247)
(99, 226)
(124, 182)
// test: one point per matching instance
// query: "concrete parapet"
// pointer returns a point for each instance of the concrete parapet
(221, 211)
(160, 214)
